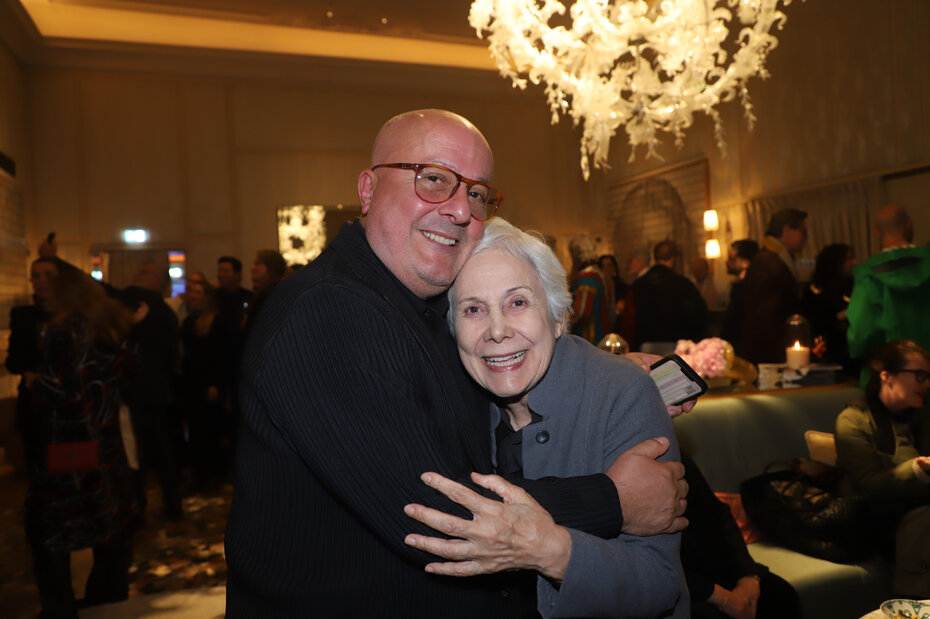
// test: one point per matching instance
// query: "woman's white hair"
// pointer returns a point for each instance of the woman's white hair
(529, 246)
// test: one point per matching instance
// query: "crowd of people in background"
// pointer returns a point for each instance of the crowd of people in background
(660, 305)
(98, 362)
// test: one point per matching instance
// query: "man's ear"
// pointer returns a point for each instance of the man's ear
(366, 189)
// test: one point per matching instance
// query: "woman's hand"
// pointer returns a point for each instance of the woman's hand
(514, 534)
(923, 462)
(749, 588)
(733, 603)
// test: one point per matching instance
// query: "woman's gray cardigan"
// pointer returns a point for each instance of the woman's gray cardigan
(595, 406)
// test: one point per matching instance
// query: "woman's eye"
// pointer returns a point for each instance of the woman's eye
(471, 310)
(519, 303)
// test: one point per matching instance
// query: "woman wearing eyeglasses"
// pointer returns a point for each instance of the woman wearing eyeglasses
(883, 444)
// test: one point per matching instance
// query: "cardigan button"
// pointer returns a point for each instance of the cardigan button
(542, 437)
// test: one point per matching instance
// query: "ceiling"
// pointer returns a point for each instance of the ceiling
(418, 19)
(432, 32)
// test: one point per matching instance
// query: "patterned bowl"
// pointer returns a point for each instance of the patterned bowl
(906, 609)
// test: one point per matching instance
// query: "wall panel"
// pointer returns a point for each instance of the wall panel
(133, 161)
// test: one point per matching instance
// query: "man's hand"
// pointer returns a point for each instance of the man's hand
(140, 314)
(48, 248)
(652, 494)
(645, 360)
(515, 534)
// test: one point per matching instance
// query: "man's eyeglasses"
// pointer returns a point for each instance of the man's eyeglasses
(435, 184)
(920, 376)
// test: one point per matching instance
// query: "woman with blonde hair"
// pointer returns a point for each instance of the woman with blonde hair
(80, 495)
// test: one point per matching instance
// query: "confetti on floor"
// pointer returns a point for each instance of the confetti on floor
(167, 556)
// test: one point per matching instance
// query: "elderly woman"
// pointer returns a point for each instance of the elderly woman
(883, 444)
(561, 408)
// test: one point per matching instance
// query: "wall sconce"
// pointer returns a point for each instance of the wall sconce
(711, 224)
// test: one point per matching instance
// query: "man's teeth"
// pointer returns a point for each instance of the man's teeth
(505, 361)
(439, 239)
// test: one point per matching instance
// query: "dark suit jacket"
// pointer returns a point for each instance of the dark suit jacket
(770, 296)
(668, 307)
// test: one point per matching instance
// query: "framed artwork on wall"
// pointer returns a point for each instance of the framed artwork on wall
(668, 203)
(304, 231)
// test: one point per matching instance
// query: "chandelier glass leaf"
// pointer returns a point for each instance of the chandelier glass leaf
(646, 65)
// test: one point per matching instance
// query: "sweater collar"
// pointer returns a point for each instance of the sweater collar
(353, 244)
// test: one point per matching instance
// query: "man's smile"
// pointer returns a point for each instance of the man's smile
(439, 239)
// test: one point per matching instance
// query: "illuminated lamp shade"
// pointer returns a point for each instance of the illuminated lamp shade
(710, 220)
(712, 248)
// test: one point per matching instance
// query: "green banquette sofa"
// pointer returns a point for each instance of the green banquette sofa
(734, 437)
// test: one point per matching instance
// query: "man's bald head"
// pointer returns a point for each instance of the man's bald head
(894, 225)
(399, 132)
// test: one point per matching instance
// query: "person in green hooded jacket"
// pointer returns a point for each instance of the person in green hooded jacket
(891, 293)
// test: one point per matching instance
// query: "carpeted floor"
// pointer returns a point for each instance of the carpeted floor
(168, 556)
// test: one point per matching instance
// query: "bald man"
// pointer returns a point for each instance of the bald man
(352, 389)
(891, 294)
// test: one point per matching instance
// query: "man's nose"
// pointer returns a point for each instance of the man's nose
(457, 207)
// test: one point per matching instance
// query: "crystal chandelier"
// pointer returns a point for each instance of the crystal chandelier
(647, 65)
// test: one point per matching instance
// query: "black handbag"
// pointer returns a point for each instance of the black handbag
(800, 509)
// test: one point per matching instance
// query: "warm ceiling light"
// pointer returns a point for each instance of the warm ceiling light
(710, 220)
(135, 236)
(712, 249)
(645, 65)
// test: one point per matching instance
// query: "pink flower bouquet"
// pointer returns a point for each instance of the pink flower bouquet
(711, 357)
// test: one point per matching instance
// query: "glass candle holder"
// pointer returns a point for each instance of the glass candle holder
(797, 342)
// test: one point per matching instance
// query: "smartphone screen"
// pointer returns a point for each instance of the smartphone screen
(676, 380)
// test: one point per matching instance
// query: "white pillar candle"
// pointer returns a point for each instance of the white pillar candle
(798, 356)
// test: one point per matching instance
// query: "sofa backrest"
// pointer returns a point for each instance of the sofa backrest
(735, 437)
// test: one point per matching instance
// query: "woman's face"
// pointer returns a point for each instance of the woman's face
(41, 276)
(502, 325)
(195, 295)
(903, 390)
